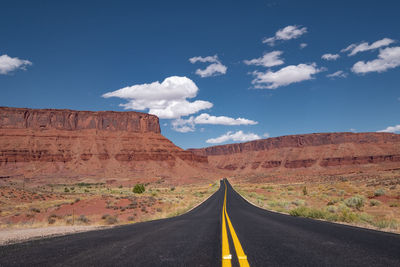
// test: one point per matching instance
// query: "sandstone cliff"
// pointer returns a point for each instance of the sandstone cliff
(106, 144)
(328, 153)
(71, 120)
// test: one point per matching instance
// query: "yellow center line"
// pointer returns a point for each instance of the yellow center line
(242, 258)
(226, 255)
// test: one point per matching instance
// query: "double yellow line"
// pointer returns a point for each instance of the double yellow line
(226, 255)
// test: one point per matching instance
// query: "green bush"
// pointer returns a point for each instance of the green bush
(312, 213)
(379, 192)
(299, 212)
(355, 202)
(139, 189)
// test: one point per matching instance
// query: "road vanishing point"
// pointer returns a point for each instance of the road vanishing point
(225, 230)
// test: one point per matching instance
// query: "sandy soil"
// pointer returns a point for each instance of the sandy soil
(10, 236)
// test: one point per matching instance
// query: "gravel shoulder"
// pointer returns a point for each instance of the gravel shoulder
(12, 236)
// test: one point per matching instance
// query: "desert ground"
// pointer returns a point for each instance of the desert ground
(370, 201)
(64, 208)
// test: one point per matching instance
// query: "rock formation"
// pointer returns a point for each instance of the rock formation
(105, 144)
(67, 144)
(322, 153)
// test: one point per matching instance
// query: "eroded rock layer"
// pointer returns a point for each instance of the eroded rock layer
(71, 120)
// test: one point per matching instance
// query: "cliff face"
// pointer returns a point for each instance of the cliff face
(67, 143)
(71, 120)
(310, 153)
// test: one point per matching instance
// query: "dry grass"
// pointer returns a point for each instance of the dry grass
(372, 203)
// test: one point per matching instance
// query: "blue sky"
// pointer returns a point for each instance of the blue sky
(247, 64)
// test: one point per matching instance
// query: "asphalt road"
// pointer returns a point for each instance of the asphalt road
(194, 239)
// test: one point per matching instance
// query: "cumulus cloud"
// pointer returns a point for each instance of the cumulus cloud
(239, 136)
(266, 135)
(337, 74)
(388, 58)
(188, 125)
(287, 33)
(303, 45)
(330, 56)
(9, 64)
(267, 60)
(364, 46)
(216, 68)
(167, 100)
(285, 76)
(391, 129)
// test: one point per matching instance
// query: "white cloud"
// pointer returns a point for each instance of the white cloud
(211, 59)
(303, 45)
(222, 120)
(216, 68)
(267, 60)
(285, 76)
(266, 135)
(212, 70)
(287, 33)
(183, 126)
(338, 74)
(330, 56)
(391, 129)
(364, 46)
(388, 58)
(167, 100)
(9, 64)
(353, 130)
(188, 125)
(231, 136)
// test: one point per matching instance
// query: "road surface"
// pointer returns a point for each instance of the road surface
(224, 227)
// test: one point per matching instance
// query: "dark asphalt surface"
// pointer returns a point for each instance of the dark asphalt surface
(194, 239)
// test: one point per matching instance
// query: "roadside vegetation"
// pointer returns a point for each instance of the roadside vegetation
(87, 203)
(373, 203)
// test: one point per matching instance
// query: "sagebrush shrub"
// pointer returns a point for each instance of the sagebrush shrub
(355, 202)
